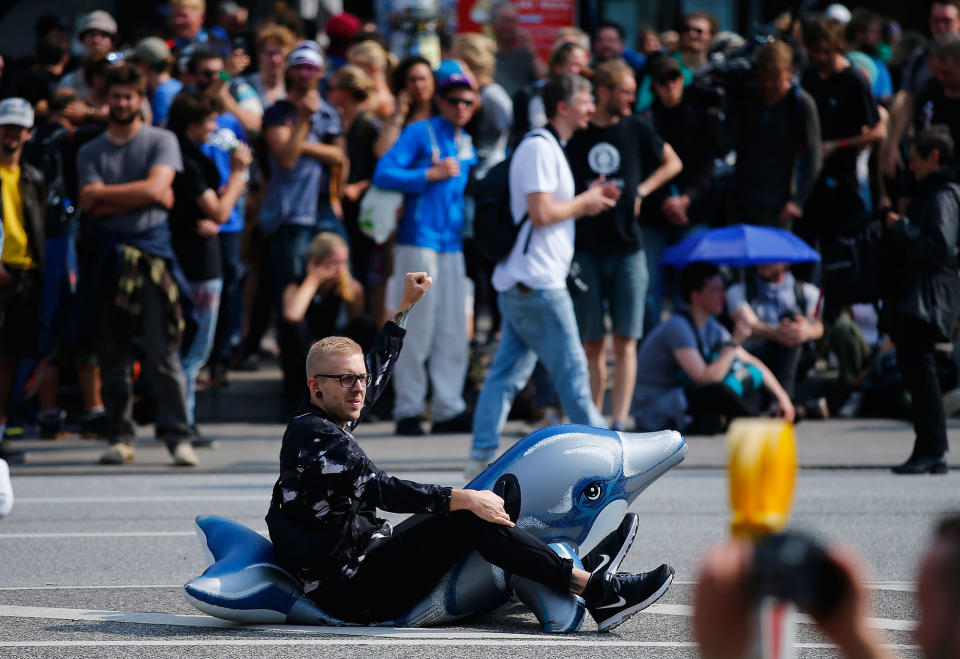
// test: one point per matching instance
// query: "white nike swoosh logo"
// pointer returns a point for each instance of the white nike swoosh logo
(621, 602)
(604, 559)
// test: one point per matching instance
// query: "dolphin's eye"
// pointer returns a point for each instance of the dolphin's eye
(593, 491)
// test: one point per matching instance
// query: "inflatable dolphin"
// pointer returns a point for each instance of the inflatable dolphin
(569, 485)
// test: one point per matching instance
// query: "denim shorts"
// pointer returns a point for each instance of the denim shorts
(618, 285)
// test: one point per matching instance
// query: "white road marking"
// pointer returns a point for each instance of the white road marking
(146, 618)
(159, 499)
(104, 534)
(69, 587)
(554, 641)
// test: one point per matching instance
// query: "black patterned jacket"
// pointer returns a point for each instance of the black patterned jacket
(322, 517)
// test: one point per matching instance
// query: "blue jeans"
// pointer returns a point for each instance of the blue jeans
(206, 303)
(655, 243)
(536, 324)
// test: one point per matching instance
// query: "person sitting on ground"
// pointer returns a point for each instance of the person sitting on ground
(783, 314)
(356, 567)
(326, 301)
(692, 374)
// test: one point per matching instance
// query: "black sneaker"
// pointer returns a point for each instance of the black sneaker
(629, 593)
(199, 440)
(607, 556)
(410, 427)
(461, 423)
(53, 424)
(95, 425)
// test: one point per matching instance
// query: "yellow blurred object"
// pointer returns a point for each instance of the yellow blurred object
(763, 466)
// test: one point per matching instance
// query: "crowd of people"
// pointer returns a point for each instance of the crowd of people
(169, 195)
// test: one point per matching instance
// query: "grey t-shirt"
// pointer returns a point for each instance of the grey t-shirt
(658, 399)
(103, 161)
(492, 128)
(656, 365)
(514, 70)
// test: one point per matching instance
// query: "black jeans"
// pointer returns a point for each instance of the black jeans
(781, 360)
(915, 341)
(404, 569)
(706, 403)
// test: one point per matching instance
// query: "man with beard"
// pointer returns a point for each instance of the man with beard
(609, 250)
(134, 283)
(21, 262)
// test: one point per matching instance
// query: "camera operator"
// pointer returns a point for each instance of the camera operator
(776, 133)
(726, 593)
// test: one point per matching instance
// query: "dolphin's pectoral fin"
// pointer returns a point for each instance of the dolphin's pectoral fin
(507, 488)
(558, 612)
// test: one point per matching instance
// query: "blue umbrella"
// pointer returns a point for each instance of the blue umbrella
(740, 245)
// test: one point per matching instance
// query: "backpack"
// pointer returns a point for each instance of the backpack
(494, 230)
(857, 267)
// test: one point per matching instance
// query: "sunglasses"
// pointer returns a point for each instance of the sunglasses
(455, 100)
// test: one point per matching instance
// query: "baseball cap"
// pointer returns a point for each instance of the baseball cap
(663, 68)
(343, 25)
(16, 112)
(453, 81)
(152, 50)
(97, 20)
(306, 52)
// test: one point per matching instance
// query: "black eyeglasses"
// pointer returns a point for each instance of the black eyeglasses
(208, 73)
(453, 100)
(347, 380)
(692, 28)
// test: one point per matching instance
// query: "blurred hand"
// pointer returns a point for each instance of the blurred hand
(792, 333)
(403, 104)
(352, 191)
(891, 161)
(443, 169)
(241, 157)
(76, 112)
(88, 195)
(891, 219)
(337, 208)
(741, 331)
(415, 286)
(319, 272)
(786, 410)
(237, 63)
(596, 198)
(207, 228)
(166, 198)
(830, 147)
(721, 601)
(675, 210)
(309, 104)
(790, 213)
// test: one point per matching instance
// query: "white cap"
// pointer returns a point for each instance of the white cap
(838, 12)
(16, 112)
(306, 52)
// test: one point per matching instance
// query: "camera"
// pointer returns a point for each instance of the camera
(575, 283)
(795, 567)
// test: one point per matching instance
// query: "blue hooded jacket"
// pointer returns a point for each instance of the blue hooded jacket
(432, 212)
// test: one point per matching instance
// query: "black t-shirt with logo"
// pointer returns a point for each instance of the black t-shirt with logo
(932, 107)
(625, 153)
(845, 104)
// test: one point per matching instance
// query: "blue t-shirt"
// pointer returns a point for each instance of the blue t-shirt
(218, 149)
(161, 99)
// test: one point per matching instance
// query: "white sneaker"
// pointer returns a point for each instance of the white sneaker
(474, 468)
(6, 490)
(118, 454)
(184, 455)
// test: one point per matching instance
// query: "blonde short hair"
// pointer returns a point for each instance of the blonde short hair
(330, 345)
(277, 34)
(355, 81)
(369, 53)
(477, 51)
(610, 73)
(196, 4)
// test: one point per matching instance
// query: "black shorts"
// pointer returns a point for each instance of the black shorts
(20, 313)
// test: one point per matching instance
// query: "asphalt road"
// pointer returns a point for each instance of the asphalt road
(92, 566)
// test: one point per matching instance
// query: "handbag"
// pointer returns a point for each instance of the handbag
(378, 213)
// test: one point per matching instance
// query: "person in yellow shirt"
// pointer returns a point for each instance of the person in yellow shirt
(21, 261)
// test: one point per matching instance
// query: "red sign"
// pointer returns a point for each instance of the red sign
(539, 18)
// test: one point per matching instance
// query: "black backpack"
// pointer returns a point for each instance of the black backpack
(858, 267)
(494, 231)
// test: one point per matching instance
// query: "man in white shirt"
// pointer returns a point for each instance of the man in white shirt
(538, 318)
